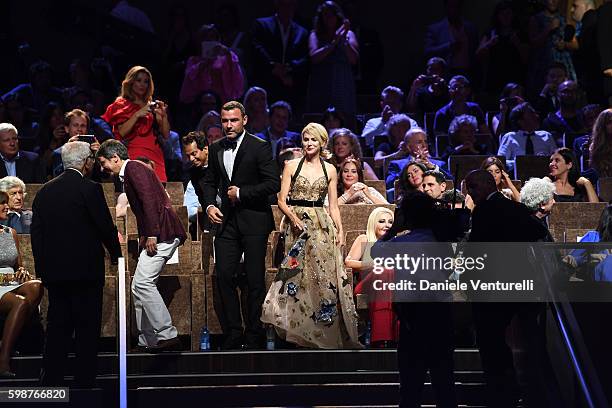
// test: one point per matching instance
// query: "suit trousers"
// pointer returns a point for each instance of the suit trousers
(230, 244)
(152, 317)
(73, 307)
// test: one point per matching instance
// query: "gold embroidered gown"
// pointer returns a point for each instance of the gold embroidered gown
(310, 303)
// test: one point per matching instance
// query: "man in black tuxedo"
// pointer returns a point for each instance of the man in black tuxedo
(71, 223)
(498, 219)
(242, 172)
(280, 60)
(15, 162)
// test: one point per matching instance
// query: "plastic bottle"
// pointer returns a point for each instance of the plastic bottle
(204, 339)
(270, 338)
(367, 338)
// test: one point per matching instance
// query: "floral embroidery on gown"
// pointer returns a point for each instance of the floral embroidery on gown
(310, 302)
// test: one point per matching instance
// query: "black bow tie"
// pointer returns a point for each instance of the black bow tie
(229, 144)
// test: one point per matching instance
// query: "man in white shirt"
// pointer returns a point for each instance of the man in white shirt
(391, 102)
(527, 140)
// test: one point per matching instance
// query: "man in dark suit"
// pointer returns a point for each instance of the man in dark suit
(242, 172)
(280, 115)
(195, 147)
(70, 224)
(498, 219)
(604, 33)
(160, 232)
(13, 162)
(280, 57)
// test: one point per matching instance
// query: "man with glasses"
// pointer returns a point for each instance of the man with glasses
(459, 90)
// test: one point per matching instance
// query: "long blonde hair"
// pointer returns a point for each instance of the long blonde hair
(130, 77)
(320, 133)
(372, 220)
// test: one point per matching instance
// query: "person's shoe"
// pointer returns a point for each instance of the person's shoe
(232, 343)
(7, 374)
(172, 344)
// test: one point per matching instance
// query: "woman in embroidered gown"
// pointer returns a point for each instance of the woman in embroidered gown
(138, 121)
(310, 303)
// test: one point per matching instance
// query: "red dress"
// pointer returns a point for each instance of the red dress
(384, 323)
(141, 140)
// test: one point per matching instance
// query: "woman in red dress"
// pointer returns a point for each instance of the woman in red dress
(138, 121)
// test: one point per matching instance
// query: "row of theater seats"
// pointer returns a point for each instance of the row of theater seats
(183, 286)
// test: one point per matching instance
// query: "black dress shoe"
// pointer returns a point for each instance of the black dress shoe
(172, 344)
(232, 343)
(7, 374)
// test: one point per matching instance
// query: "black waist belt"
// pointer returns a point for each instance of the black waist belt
(306, 203)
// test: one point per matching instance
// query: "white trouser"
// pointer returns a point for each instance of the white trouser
(152, 317)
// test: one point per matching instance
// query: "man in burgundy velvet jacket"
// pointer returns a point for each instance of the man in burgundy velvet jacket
(160, 232)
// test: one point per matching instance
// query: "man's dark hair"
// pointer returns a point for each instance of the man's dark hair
(39, 67)
(112, 147)
(231, 105)
(480, 184)
(196, 136)
(517, 113)
(280, 105)
(418, 210)
(439, 176)
(558, 65)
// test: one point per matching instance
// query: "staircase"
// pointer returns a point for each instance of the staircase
(338, 378)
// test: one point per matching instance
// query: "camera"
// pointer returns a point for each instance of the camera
(86, 138)
(153, 106)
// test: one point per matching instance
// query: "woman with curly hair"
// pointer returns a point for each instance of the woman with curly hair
(601, 144)
(344, 144)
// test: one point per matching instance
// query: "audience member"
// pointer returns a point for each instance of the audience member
(604, 32)
(351, 185)
(394, 148)
(19, 218)
(415, 149)
(280, 55)
(429, 91)
(383, 321)
(227, 21)
(125, 11)
(80, 99)
(434, 184)
(590, 113)
(15, 162)
(586, 57)
(527, 139)
(138, 121)
(511, 96)
(20, 294)
(391, 102)
(20, 117)
(600, 149)
(538, 196)
(568, 119)
(287, 155)
(217, 69)
(569, 186)
(459, 91)
(410, 180)
(462, 136)
(547, 101)
(39, 91)
(80, 75)
(211, 118)
(256, 105)
(280, 116)
(52, 135)
(345, 144)
(546, 37)
(502, 180)
(333, 51)
(454, 39)
(502, 50)
(332, 119)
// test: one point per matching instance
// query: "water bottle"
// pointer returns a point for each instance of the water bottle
(367, 338)
(204, 339)
(270, 338)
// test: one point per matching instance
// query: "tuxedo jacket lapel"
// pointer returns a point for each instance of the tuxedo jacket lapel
(222, 165)
(240, 155)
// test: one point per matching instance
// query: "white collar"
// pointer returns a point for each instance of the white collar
(77, 170)
(122, 171)
(15, 212)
